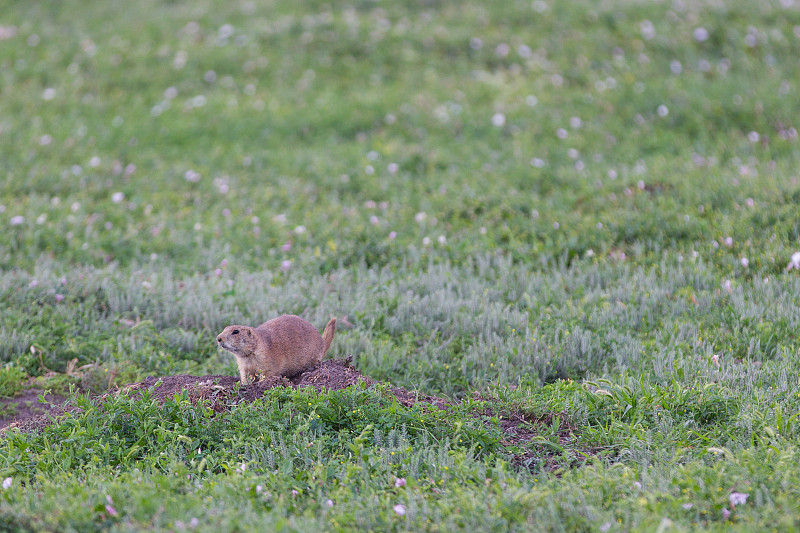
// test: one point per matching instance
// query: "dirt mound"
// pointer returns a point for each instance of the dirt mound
(333, 374)
(222, 392)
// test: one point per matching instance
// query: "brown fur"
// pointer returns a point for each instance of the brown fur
(283, 346)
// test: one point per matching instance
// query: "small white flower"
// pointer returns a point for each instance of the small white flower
(442, 239)
(753, 137)
(745, 262)
(498, 120)
(400, 509)
(647, 29)
(49, 93)
(286, 265)
(117, 197)
(738, 498)
(191, 176)
(537, 163)
(419, 217)
(300, 230)
(687, 506)
(426, 241)
(794, 262)
(715, 359)
(328, 503)
(561, 133)
(17, 220)
(700, 34)
(399, 482)
(728, 241)
(393, 168)
(662, 110)
(7, 483)
(225, 31)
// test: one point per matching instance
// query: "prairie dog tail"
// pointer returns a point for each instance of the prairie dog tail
(327, 335)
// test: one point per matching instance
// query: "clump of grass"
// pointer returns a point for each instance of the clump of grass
(12, 380)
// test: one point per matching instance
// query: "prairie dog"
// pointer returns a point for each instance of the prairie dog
(283, 346)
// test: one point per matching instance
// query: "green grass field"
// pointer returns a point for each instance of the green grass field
(582, 211)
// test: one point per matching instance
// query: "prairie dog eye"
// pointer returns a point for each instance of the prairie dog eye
(235, 332)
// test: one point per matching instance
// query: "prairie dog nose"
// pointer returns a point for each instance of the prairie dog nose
(219, 339)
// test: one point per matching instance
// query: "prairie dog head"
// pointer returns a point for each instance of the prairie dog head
(239, 340)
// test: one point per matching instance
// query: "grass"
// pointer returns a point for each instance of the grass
(577, 210)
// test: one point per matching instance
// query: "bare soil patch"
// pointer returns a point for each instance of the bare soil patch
(26, 406)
